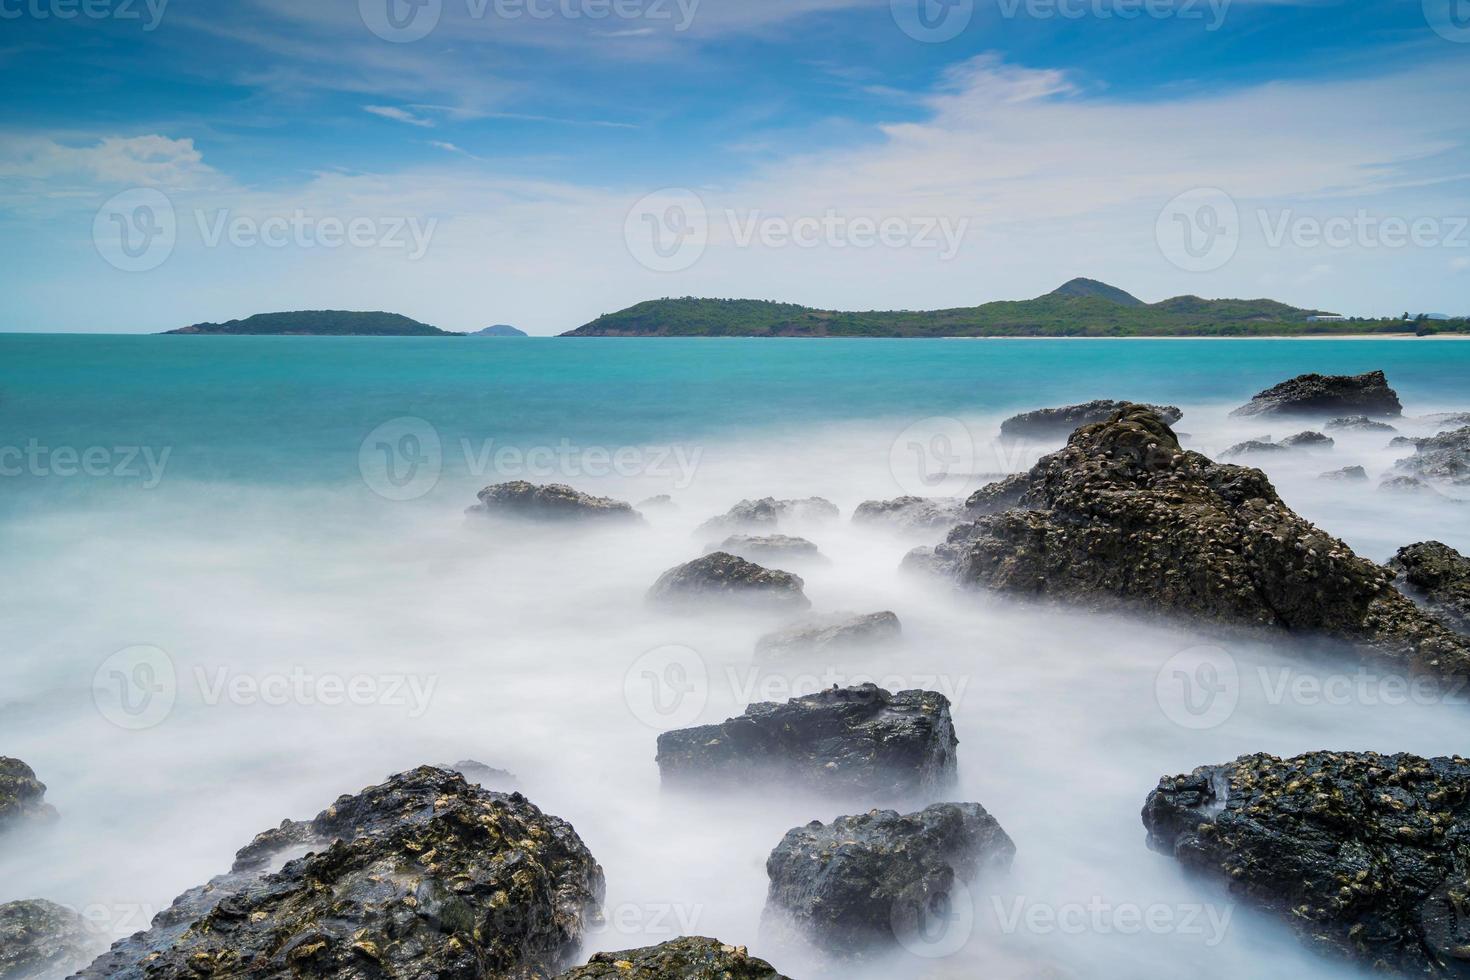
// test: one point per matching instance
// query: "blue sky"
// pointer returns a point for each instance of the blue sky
(499, 167)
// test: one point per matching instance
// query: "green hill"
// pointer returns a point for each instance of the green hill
(320, 323)
(1081, 308)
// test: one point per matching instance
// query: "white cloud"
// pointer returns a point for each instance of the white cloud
(398, 115)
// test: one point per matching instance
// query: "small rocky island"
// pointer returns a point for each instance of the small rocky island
(318, 323)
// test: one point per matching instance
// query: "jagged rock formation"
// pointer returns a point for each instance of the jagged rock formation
(552, 502)
(850, 743)
(1327, 395)
(1125, 518)
(862, 882)
(1362, 855)
(686, 958)
(1439, 577)
(420, 876)
(1444, 457)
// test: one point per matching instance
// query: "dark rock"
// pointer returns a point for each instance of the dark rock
(421, 876)
(996, 497)
(22, 795)
(719, 577)
(911, 513)
(485, 776)
(767, 514)
(849, 743)
(769, 548)
(686, 958)
(820, 634)
(41, 940)
(1444, 457)
(1346, 473)
(1060, 422)
(1328, 395)
(865, 881)
(1359, 423)
(1252, 447)
(552, 502)
(1403, 442)
(1362, 855)
(1439, 577)
(1308, 440)
(1123, 518)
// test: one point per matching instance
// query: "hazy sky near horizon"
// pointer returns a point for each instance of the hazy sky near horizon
(539, 162)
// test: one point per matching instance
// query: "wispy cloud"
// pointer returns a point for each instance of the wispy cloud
(398, 115)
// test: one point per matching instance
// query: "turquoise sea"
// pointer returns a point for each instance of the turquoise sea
(207, 541)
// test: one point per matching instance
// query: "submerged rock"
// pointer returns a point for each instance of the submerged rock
(552, 502)
(855, 742)
(1252, 447)
(1308, 440)
(1123, 518)
(868, 881)
(22, 795)
(820, 634)
(1359, 423)
(1346, 473)
(911, 513)
(1439, 577)
(724, 578)
(1327, 394)
(1362, 855)
(1449, 420)
(423, 875)
(41, 940)
(660, 501)
(1409, 486)
(767, 514)
(1055, 422)
(686, 958)
(1444, 457)
(768, 548)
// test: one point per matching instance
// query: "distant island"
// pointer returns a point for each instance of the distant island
(500, 330)
(320, 323)
(1079, 308)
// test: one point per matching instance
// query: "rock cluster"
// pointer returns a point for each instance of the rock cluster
(722, 578)
(836, 631)
(687, 958)
(1359, 423)
(1444, 457)
(1122, 517)
(552, 502)
(867, 881)
(41, 940)
(911, 513)
(848, 743)
(1362, 854)
(422, 875)
(1327, 395)
(1439, 577)
(767, 514)
(1047, 423)
(22, 795)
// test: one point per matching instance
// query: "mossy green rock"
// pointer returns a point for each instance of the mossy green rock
(421, 876)
(1365, 856)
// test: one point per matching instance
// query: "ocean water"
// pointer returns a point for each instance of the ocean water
(238, 581)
